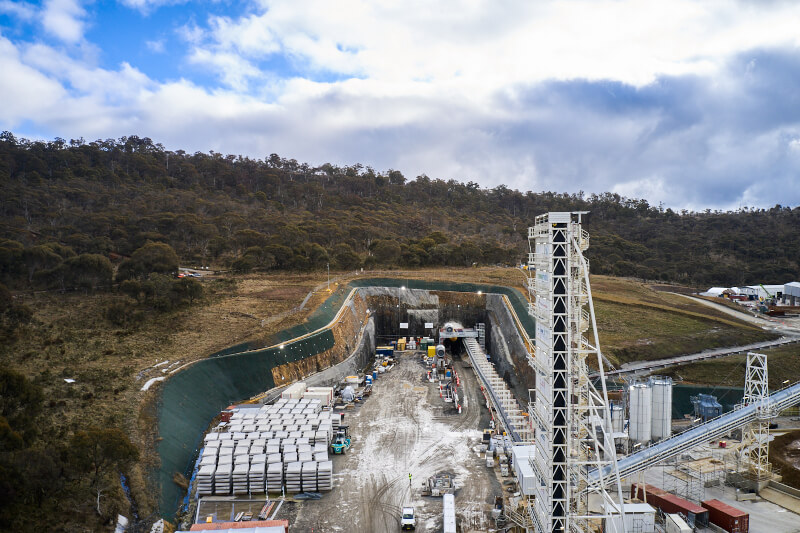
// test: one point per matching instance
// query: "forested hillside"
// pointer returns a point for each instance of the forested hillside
(65, 207)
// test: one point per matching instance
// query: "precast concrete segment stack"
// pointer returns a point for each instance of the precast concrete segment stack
(640, 424)
(309, 476)
(325, 476)
(250, 454)
(293, 477)
(222, 478)
(257, 477)
(205, 480)
(274, 477)
(661, 420)
(239, 477)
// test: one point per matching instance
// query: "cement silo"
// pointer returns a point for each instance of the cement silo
(640, 406)
(661, 420)
(617, 418)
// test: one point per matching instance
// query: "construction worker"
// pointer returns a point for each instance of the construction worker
(409, 479)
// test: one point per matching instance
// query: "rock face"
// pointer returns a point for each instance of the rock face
(508, 350)
(347, 333)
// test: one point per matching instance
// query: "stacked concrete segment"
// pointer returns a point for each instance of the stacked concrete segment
(251, 453)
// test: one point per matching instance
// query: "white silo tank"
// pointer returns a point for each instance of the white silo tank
(639, 427)
(662, 407)
(617, 418)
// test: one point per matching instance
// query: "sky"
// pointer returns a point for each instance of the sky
(690, 104)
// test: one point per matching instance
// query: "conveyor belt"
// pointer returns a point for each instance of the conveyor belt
(711, 430)
(500, 395)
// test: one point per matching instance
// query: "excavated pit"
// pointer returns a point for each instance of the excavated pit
(190, 399)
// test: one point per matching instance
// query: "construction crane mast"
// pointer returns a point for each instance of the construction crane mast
(571, 418)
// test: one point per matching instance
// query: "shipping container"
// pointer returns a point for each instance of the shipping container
(675, 524)
(521, 457)
(669, 503)
(324, 394)
(727, 517)
(294, 391)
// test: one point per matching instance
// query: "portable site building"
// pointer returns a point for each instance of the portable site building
(639, 517)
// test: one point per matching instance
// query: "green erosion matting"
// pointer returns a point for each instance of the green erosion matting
(191, 398)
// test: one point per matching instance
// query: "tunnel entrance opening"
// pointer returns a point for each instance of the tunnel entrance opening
(454, 347)
(395, 318)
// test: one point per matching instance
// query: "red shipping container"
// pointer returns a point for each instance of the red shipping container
(727, 517)
(669, 503)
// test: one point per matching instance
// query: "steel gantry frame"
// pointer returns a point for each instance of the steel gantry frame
(755, 441)
(571, 418)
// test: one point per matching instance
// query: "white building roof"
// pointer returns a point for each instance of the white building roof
(630, 508)
(792, 288)
(715, 291)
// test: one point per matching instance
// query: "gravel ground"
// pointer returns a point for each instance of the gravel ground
(404, 427)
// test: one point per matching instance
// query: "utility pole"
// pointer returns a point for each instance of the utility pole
(329, 276)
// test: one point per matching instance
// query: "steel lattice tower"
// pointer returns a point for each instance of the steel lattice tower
(569, 414)
(756, 435)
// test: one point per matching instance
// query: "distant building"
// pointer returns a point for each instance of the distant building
(715, 291)
(791, 293)
(753, 292)
(767, 291)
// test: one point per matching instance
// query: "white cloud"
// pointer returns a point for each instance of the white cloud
(653, 188)
(21, 10)
(148, 6)
(486, 45)
(156, 46)
(235, 71)
(25, 90)
(64, 19)
(653, 99)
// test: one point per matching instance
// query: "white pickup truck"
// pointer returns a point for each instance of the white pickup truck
(408, 521)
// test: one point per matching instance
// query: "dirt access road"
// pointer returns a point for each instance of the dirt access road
(404, 427)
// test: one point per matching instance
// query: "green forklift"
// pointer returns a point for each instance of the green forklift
(341, 441)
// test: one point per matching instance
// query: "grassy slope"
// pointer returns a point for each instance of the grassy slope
(637, 323)
(71, 338)
(784, 363)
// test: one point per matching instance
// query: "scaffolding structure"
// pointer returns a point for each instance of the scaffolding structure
(689, 478)
(571, 418)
